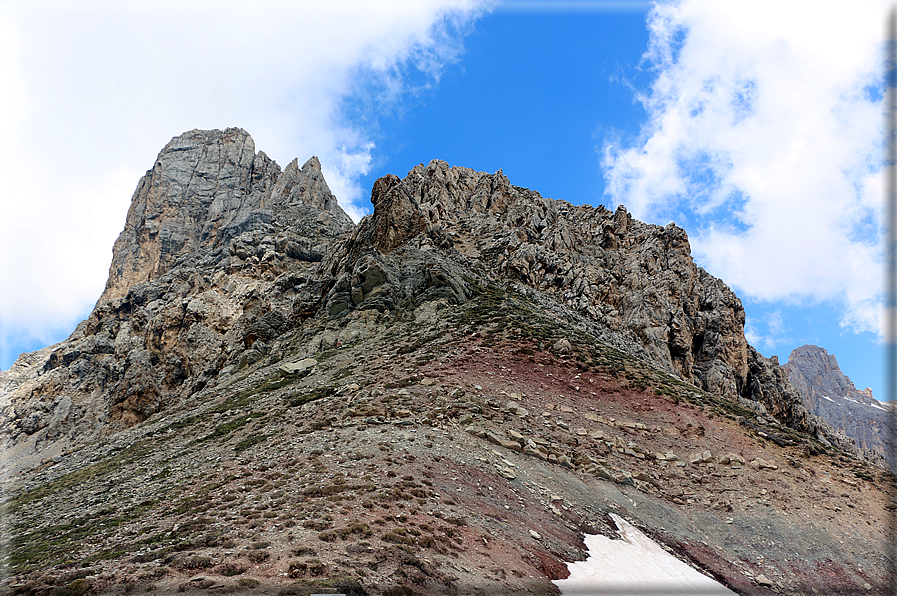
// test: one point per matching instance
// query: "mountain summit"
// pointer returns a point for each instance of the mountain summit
(207, 188)
(829, 394)
(440, 399)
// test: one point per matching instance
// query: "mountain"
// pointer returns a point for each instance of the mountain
(830, 395)
(441, 399)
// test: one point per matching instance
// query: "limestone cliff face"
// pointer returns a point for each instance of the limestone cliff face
(206, 188)
(223, 255)
(829, 394)
(210, 227)
(634, 283)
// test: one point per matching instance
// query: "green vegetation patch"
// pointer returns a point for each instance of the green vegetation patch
(863, 474)
(250, 442)
(54, 545)
(339, 584)
(235, 402)
(333, 489)
(277, 382)
(315, 394)
(184, 423)
(79, 477)
(486, 307)
(227, 428)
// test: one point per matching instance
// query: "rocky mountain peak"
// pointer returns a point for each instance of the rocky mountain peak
(636, 280)
(829, 394)
(206, 188)
(814, 372)
(223, 253)
(306, 186)
(200, 183)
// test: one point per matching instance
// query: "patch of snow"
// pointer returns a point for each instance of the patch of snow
(634, 565)
(853, 401)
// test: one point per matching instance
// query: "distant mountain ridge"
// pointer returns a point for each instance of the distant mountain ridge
(829, 394)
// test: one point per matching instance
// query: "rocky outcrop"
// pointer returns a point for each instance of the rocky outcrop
(205, 189)
(213, 264)
(634, 280)
(829, 394)
(223, 255)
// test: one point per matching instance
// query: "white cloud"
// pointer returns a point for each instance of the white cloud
(573, 6)
(764, 141)
(93, 90)
(776, 330)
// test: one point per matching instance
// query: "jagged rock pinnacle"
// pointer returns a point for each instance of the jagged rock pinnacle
(206, 188)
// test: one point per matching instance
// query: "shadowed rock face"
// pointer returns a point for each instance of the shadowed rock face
(829, 394)
(248, 327)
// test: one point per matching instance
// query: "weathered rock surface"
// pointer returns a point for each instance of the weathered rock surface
(217, 260)
(511, 356)
(207, 188)
(222, 253)
(628, 283)
(829, 394)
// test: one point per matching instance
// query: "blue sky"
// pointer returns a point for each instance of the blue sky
(754, 127)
